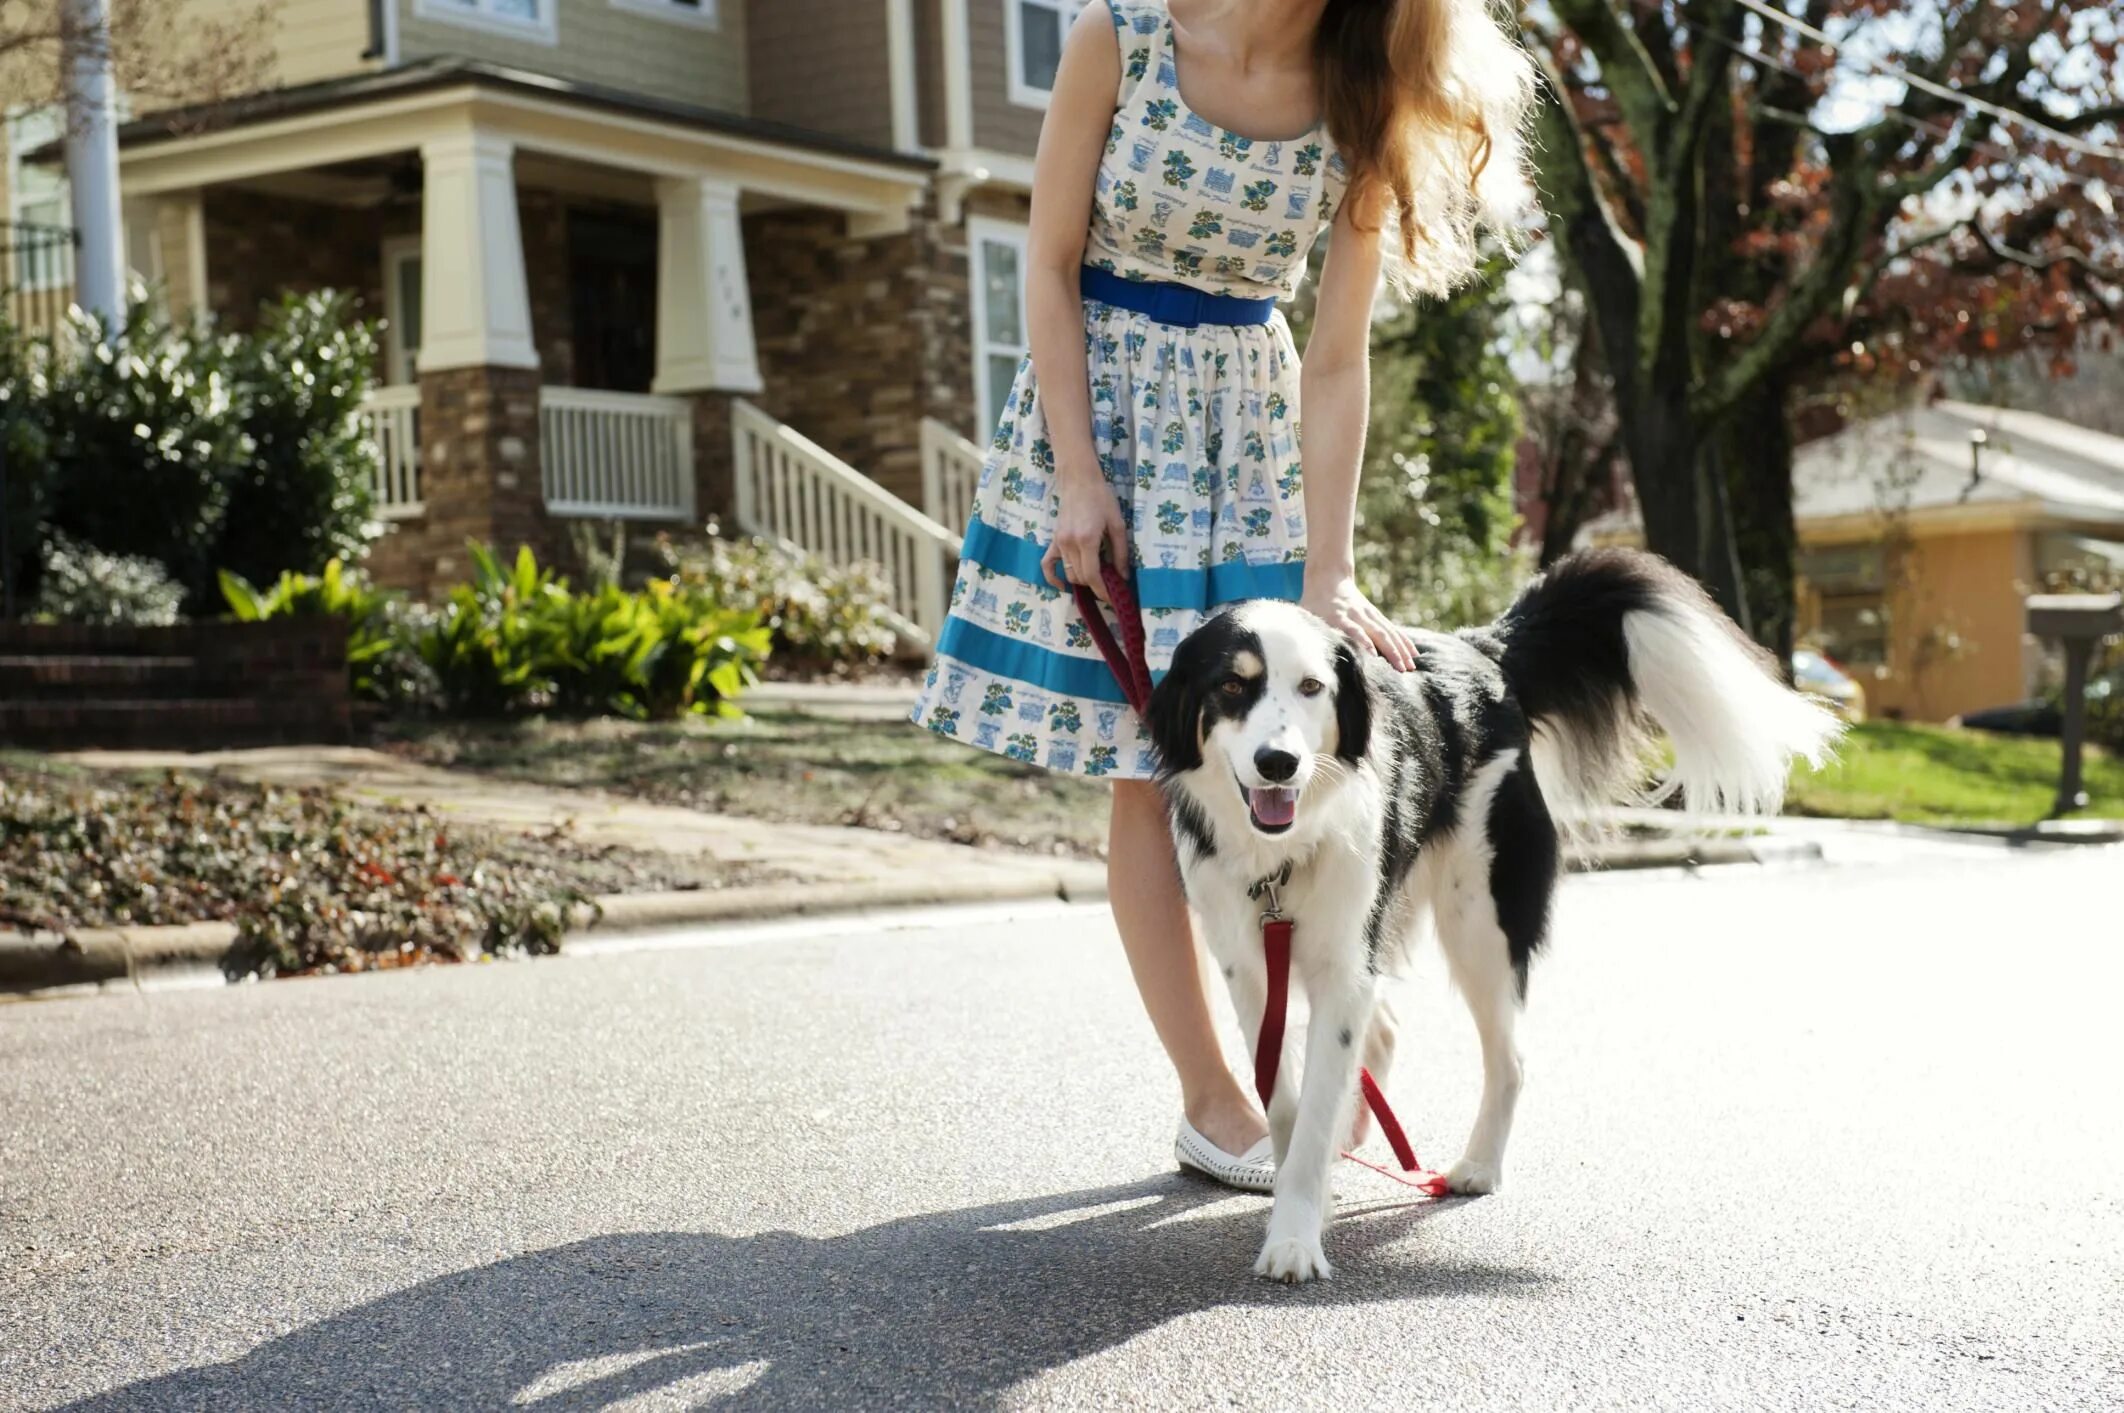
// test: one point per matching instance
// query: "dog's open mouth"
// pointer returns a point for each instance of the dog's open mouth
(1273, 807)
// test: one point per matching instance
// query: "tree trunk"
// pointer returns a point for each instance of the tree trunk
(1755, 453)
(1688, 520)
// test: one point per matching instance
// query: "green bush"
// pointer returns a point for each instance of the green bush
(518, 638)
(204, 452)
(816, 612)
(85, 585)
(382, 627)
(23, 459)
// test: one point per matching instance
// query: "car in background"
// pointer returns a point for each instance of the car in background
(2041, 719)
(1819, 676)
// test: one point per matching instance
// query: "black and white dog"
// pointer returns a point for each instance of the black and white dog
(1397, 799)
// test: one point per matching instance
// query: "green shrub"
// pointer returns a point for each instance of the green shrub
(816, 612)
(24, 463)
(518, 638)
(382, 627)
(82, 584)
(207, 452)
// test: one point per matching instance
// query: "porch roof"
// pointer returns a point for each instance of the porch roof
(445, 71)
(398, 110)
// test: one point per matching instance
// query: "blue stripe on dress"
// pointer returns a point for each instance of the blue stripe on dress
(1029, 663)
(1231, 582)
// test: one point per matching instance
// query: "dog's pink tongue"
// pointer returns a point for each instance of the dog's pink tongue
(1273, 804)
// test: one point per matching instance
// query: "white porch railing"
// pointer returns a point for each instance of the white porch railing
(790, 488)
(392, 416)
(951, 469)
(616, 455)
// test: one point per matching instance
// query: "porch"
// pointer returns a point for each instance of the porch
(600, 315)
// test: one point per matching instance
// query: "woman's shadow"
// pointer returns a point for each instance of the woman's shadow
(949, 1308)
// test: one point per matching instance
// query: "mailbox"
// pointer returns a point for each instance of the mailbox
(2079, 622)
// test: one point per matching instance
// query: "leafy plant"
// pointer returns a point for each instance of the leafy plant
(82, 584)
(202, 451)
(814, 610)
(382, 627)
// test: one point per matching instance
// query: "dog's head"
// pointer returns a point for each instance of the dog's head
(1259, 700)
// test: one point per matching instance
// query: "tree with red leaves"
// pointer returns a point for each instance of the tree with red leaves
(1750, 206)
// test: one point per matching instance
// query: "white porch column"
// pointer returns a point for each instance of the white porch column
(703, 309)
(180, 221)
(475, 305)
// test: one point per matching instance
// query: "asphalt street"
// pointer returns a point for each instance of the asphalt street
(1824, 1137)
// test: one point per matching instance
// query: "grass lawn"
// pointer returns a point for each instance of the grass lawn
(793, 767)
(1938, 774)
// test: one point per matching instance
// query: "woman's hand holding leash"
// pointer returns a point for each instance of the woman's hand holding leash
(1088, 529)
(1336, 598)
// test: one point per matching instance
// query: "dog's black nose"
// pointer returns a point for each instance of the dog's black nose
(1277, 766)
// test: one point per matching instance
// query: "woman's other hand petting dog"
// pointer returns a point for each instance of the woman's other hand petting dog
(1393, 799)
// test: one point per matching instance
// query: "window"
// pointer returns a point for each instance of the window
(401, 262)
(1035, 30)
(684, 12)
(38, 196)
(1849, 586)
(996, 263)
(520, 19)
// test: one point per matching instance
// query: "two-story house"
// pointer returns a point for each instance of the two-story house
(654, 260)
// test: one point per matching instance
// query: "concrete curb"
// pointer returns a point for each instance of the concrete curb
(103, 957)
(2049, 831)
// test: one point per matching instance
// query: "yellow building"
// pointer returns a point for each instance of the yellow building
(1922, 534)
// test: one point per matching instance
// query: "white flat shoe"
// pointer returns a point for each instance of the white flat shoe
(1251, 1171)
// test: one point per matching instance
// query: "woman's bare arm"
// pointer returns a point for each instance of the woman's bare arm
(1335, 405)
(1072, 142)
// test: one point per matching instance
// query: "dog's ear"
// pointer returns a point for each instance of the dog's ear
(1175, 720)
(1353, 703)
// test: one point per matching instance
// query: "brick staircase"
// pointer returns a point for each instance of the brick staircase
(193, 686)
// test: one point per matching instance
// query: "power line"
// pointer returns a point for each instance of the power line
(1883, 69)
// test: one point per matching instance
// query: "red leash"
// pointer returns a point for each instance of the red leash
(1130, 664)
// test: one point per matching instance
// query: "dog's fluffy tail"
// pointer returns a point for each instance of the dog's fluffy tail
(1610, 642)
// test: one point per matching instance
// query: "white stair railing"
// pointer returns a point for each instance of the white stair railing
(391, 416)
(951, 470)
(622, 456)
(790, 488)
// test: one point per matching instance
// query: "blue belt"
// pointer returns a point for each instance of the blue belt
(1182, 306)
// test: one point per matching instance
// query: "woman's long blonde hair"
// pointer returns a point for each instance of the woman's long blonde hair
(1427, 101)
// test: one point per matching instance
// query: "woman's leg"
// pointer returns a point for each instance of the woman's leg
(1143, 881)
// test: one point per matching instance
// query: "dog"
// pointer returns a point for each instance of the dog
(1394, 799)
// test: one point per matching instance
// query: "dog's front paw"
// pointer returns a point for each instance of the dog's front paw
(1293, 1260)
(1471, 1178)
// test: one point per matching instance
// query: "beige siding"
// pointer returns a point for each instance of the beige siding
(999, 124)
(316, 39)
(599, 42)
(929, 70)
(823, 65)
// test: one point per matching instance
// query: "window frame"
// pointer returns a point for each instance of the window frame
(700, 15)
(1066, 11)
(401, 362)
(25, 133)
(981, 231)
(482, 15)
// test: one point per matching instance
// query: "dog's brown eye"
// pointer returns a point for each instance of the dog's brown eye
(1231, 686)
(1311, 687)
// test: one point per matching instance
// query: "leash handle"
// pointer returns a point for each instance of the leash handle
(1127, 658)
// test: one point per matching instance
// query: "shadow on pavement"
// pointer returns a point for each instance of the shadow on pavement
(949, 1308)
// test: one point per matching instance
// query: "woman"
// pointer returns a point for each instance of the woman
(1191, 158)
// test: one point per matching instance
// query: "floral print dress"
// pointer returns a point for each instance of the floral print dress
(1196, 429)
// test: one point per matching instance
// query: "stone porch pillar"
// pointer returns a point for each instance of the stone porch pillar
(479, 375)
(705, 347)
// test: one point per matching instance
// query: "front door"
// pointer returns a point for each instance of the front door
(612, 294)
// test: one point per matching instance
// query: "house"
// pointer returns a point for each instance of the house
(1922, 533)
(647, 260)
